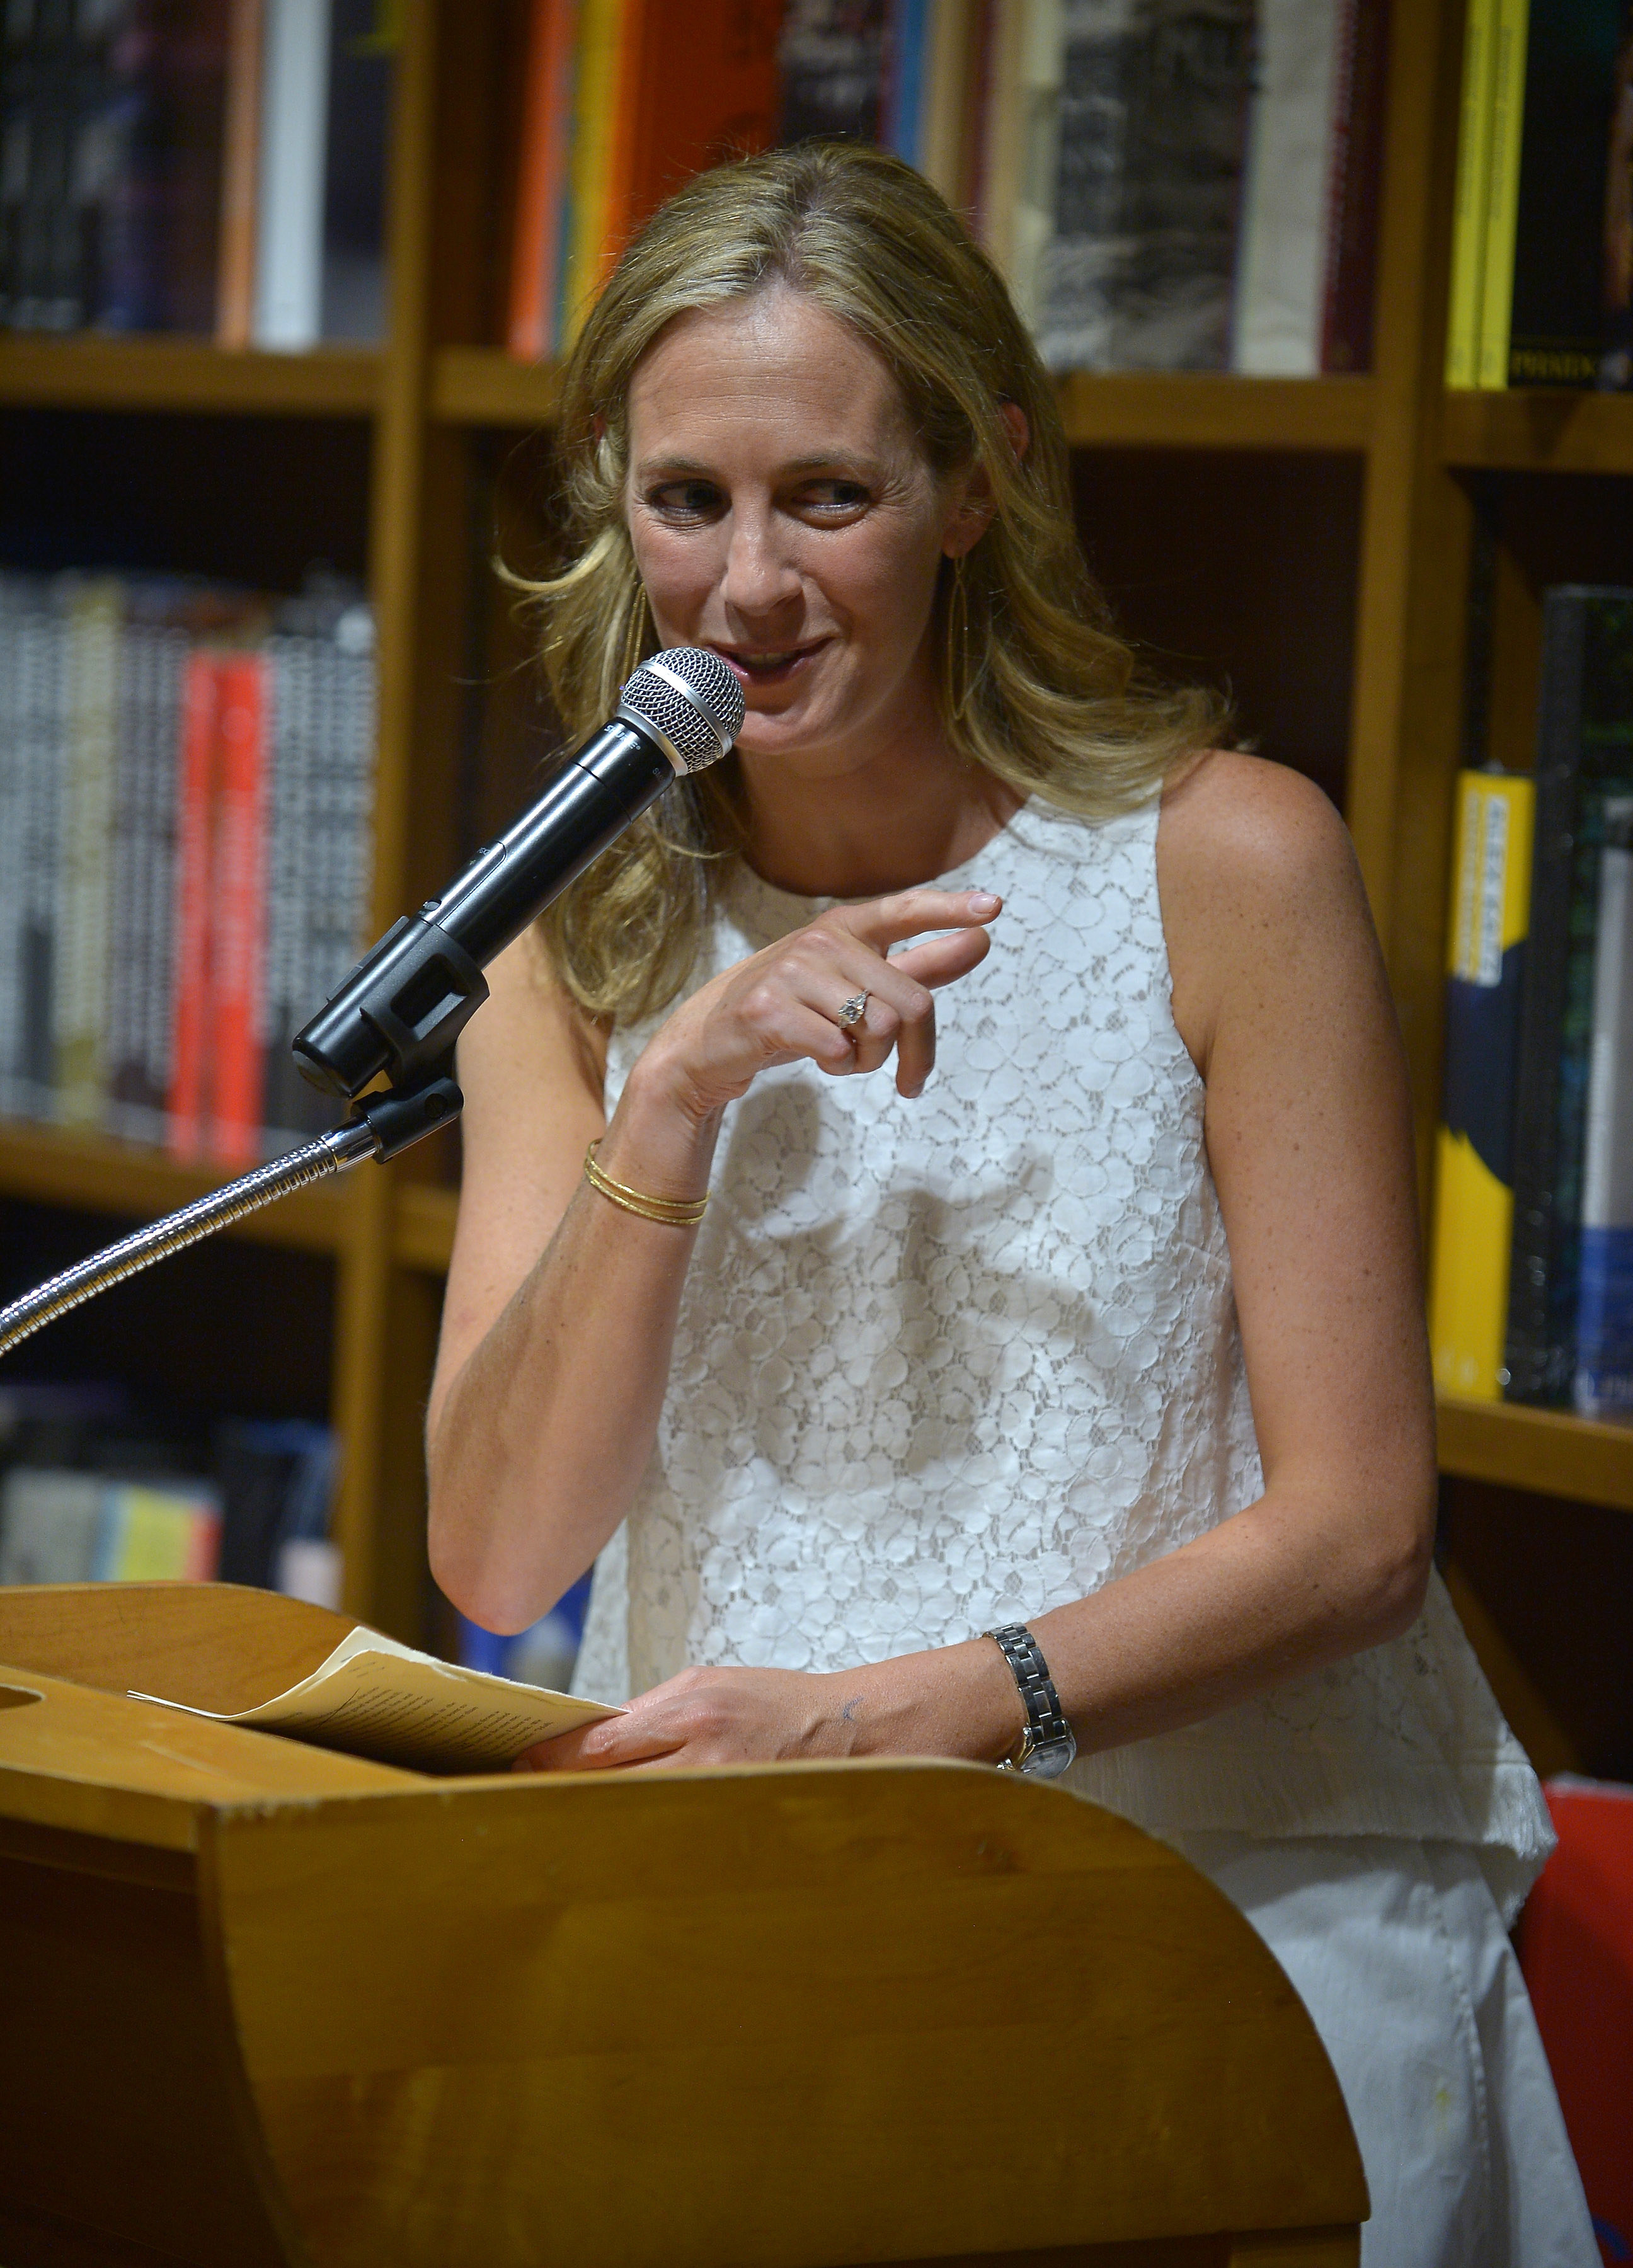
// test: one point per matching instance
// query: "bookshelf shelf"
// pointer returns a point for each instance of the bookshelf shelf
(1150, 409)
(186, 374)
(483, 385)
(1546, 1451)
(1534, 432)
(54, 1165)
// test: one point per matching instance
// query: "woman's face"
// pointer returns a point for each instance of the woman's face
(782, 514)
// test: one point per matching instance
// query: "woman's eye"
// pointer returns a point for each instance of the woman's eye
(685, 499)
(834, 497)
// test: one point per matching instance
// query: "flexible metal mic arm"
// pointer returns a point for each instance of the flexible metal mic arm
(386, 1124)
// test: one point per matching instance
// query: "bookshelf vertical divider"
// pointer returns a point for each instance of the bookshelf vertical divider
(384, 1331)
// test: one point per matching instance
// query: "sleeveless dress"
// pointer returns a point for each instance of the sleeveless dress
(944, 1364)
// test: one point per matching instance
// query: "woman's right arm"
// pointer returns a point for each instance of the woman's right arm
(559, 1320)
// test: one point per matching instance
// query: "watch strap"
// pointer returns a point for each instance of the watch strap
(1048, 1744)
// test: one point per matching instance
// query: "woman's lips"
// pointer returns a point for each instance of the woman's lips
(773, 667)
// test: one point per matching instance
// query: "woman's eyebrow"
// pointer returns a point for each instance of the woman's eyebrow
(830, 460)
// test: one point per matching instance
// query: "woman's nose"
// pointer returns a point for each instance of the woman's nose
(760, 575)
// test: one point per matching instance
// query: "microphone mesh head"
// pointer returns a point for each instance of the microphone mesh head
(699, 729)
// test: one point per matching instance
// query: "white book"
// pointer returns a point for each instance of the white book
(1603, 1384)
(294, 136)
(50, 1526)
(1281, 280)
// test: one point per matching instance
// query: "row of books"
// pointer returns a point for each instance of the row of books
(185, 791)
(215, 166)
(1167, 184)
(1542, 245)
(1532, 1289)
(94, 1487)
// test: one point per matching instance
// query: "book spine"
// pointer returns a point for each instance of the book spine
(161, 782)
(1508, 118)
(1603, 1384)
(127, 975)
(289, 1002)
(80, 997)
(364, 42)
(43, 674)
(1034, 224)
(595, 93)
(188, 1102)
(239, 913)
(13, 763)
(1533, 1373)
(1278, 312)
(1474, 175)
(946, 76)
(1475, 1197)
(1003, 133)
(1356, 191)
(901, 126)
(294, 123)
(240, 163)
(535, 244)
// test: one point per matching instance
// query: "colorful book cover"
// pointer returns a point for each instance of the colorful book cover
(1604, 1377)
(1474, 1176)
(1474, 176)
(595, 95)
(1496, 267)
(1584, 763)
(1153, 120)
(1571, 314)
(156, 1534)
(1355, 192)
(238, 911)
(541, 174)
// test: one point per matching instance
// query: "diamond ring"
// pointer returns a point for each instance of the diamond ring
(854, 1010)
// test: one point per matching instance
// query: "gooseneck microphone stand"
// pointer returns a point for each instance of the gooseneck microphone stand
(398, 1014)
(385, 1124)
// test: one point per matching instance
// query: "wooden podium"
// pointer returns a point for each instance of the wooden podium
(263, 2004)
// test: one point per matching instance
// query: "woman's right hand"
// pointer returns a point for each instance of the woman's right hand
(781, 1005)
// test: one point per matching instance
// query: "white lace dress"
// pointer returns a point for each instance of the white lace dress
(947, 1363)
(944, 1364)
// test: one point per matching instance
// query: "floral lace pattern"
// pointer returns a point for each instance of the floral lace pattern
(947, 1363)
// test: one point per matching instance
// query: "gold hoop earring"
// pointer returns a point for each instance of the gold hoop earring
(956, 661)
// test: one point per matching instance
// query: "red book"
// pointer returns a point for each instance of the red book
(189, 1101)
(239, 910)
(704, 89)
(1356, 185)
(541, 179)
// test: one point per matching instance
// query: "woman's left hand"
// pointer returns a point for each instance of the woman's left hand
(712, 1717)
(951, 1701)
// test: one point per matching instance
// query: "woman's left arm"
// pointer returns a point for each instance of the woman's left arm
(1279, 993)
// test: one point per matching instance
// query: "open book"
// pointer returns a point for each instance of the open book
(374, 1698)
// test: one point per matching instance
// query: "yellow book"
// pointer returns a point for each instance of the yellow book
(1508, 119)
(1474, 171)
(595, 94)
(947, 77)
(1475, 1180)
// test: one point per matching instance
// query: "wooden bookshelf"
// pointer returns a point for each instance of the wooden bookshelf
(1524, 432)
(1544, 1450)
(439, 384)
(185, 374)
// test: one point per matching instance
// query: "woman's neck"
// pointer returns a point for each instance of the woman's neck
(888, 827)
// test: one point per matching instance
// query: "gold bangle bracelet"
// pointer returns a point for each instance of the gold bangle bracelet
(677, 1213)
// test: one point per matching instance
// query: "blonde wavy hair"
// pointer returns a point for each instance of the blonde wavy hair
(1035, 685)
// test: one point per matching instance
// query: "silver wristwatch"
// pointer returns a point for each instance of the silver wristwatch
(1047, 1746)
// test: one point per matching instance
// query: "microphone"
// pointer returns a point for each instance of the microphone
(407, 1001)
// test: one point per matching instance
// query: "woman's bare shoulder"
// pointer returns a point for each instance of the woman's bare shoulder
(1259, 886)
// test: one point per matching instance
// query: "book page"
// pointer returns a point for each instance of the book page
(375, 1697)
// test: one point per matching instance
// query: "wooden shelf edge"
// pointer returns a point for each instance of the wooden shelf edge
(1163, 409)
(1547, 1451)
(87, 372)
(1529, 430)
(483, 385)
(422, 1227)
(93, 1172)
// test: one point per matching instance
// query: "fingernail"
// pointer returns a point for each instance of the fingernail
(983, 902)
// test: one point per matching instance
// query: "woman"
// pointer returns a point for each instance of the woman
(1106, 1322)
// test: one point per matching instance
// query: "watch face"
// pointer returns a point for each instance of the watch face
(1049, 1758)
